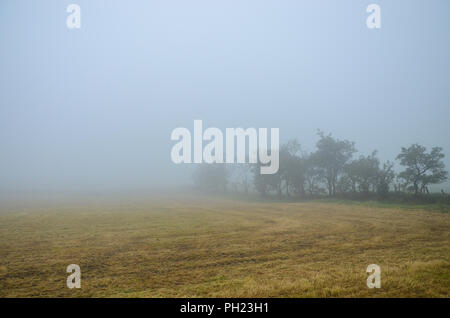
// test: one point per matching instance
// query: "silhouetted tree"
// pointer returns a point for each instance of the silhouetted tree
(363, 173)
(313, 176)
(422, 168)
(385, 177)
(331, 156)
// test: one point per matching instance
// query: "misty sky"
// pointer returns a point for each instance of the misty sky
(94, 108)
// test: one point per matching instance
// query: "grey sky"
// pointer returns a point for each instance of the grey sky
(94, 108)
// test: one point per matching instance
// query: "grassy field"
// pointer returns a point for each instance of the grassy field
(196, 247)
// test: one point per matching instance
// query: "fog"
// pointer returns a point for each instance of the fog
(92, 109)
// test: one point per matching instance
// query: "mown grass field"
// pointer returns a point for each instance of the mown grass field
(196, 247)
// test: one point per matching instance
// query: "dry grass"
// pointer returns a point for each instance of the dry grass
(221, 248)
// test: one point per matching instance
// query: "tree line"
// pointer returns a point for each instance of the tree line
(331, 170)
